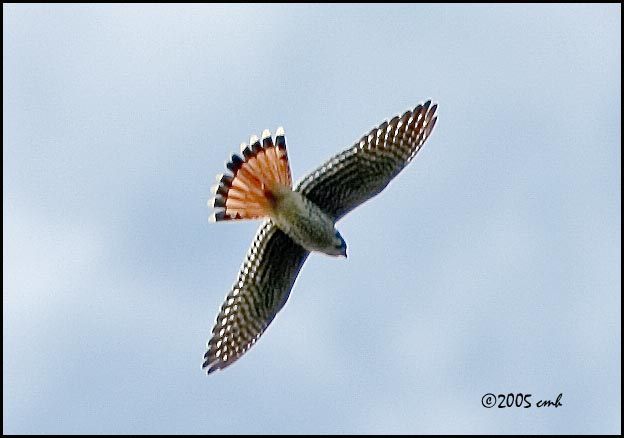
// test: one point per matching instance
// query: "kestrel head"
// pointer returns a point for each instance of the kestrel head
(340, 246)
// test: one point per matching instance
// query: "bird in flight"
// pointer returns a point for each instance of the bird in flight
(297, 221)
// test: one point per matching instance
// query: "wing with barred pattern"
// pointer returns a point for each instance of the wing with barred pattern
(362, 171)
(263, 286)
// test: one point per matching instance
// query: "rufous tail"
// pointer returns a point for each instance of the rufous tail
(246, 193)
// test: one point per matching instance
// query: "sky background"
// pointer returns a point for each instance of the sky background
(490, 265)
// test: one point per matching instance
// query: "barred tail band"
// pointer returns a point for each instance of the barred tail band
(246, 193)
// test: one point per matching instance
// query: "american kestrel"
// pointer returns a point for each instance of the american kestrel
(299, 221)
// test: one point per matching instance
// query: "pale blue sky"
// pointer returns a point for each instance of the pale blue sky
(491, 264)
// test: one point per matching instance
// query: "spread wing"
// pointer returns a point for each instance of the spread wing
(263, 286)
(362, 171)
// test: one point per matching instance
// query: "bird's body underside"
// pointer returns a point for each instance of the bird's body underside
(297, 221)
